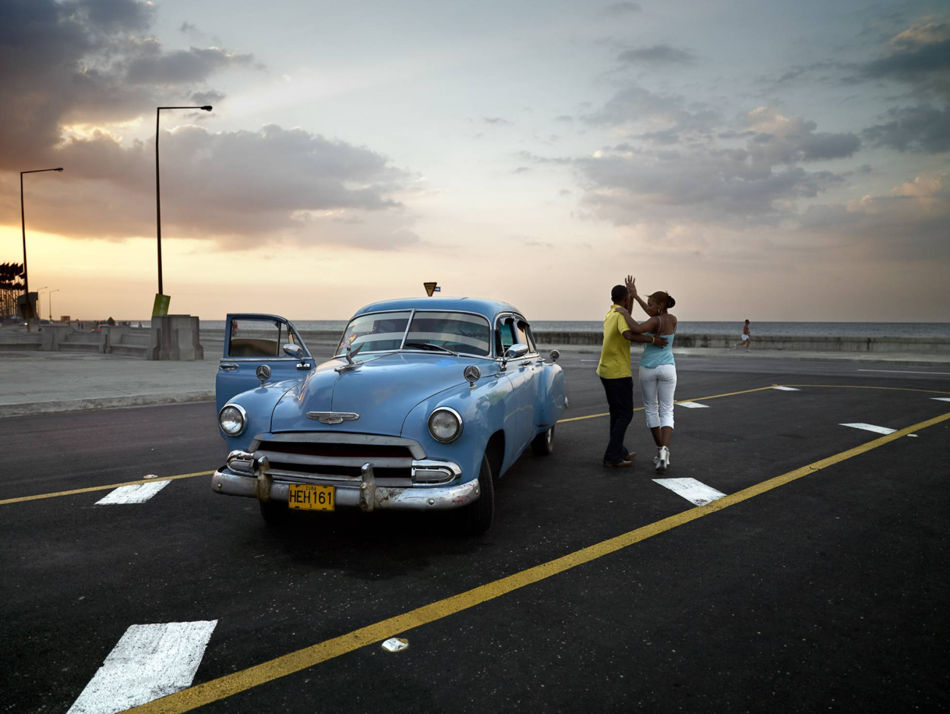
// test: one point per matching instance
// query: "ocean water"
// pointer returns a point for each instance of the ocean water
(765, 329)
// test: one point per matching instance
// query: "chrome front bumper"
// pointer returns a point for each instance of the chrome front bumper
(362, 493)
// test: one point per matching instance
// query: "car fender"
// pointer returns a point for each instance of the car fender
(258, 405)
(482, 409)
(552, 396)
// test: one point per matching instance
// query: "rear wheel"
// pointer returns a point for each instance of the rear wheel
(477, 516)
(543, 443)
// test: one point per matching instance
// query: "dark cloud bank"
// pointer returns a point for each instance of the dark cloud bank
(92, 61)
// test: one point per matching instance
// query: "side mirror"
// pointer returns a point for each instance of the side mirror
(514, 352)
(292, 350)
(555, 355)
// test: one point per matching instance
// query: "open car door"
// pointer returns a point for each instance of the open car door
(251, 340)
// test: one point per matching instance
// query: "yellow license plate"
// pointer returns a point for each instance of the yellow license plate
(308, 497)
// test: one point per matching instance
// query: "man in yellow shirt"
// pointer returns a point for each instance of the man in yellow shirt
(616, 375)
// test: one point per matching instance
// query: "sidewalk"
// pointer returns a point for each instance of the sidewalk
(34, 382)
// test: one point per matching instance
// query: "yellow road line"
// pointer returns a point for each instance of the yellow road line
(867, 386)
(108, 487)
(229, 685)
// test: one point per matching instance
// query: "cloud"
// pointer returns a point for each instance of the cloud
(237, 188)
(922, 128)
(182, 67)
(919, 55)
(83, 62)
(662, 118)
(621, 9)
(71, 70)
(908, 224)
(657, 55)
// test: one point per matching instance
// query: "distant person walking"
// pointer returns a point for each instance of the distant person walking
(615, 372)
(746, 338)
(658, 372)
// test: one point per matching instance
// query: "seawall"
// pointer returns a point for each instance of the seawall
(134, 342)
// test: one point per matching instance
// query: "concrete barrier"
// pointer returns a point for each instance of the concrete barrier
(175, 337)
(192, 343)
(815, 343)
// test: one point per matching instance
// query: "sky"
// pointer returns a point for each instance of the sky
(761, 159)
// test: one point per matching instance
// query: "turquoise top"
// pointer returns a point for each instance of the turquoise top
(655, 356)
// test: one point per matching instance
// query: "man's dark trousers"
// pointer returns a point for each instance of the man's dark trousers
(620, 400)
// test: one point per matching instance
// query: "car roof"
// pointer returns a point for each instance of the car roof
(481, 306)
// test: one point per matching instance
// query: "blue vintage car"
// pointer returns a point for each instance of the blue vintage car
(425, 403)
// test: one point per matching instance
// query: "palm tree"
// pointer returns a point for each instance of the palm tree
(10, 287)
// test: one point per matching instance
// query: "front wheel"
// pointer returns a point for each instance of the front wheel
(543, 443)
(477, 516)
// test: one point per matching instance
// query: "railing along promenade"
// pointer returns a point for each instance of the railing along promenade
(135, 341)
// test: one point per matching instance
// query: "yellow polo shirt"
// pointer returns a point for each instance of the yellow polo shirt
(615, 350)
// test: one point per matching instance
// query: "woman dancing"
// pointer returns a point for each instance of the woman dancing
(658, 372)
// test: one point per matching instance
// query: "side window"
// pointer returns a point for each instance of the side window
(524, 335)
(506, 335)
(250, 337)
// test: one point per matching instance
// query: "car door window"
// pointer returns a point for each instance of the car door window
(524, 335)
(505, 336)
(257, 337)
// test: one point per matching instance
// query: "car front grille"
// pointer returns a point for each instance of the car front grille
(305, 456)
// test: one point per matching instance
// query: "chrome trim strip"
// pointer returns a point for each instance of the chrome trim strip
(333, 417)
(318, 437)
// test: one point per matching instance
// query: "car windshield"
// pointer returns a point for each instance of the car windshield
(429, 329)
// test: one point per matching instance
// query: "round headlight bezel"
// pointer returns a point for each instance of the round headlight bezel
(242, 414)
(435, 421)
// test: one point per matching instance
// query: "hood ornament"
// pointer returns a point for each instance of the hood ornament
(350, 354)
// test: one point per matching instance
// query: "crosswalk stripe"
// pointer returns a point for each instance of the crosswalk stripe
(137, 493)
(696, 492)
(692, 405)
(149, 662)
(870, 427)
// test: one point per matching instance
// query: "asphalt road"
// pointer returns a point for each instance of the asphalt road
(818, 582)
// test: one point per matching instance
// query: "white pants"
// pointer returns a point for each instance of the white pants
(658, 385)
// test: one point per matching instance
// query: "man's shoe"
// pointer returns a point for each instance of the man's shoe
(618, 464)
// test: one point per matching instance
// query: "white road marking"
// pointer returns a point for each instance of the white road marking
(786, 389)
(697, 493)
(692, 405)
(942, 399)
(139, 493)
(901, 371)
(149, 662)
(871, 427)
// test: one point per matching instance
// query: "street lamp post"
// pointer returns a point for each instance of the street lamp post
(51, 304)
(159, 298)
(26, 273)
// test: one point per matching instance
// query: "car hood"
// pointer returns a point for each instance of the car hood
(382, 390)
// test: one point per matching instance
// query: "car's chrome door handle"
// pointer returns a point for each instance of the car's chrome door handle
(303, 365)
(227, 366)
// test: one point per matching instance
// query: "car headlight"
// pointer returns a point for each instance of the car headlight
(232, 419)
(445, 425)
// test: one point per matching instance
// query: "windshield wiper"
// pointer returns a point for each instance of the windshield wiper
(430, 346)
